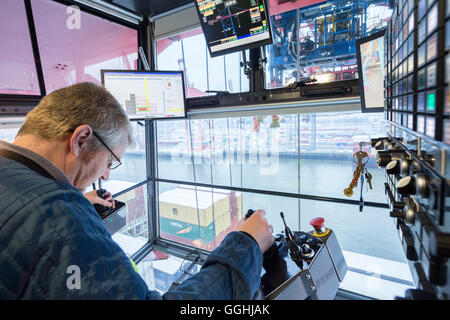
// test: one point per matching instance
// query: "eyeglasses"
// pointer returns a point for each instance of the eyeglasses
(114, 164)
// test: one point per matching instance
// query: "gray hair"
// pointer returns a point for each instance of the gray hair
(62, 111)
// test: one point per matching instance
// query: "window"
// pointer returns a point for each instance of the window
(133, 168)
(318, 41)
(265, 152)
(18, 71)
(8, 132)
(129, 227)
(187, 51)
(279, 157)
(159, 270)
(73, 48)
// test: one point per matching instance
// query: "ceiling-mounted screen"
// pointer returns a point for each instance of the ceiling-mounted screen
(370, 57)
(147, 94)
(234, 25)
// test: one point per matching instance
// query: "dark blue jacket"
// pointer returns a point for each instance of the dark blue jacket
(47, 226)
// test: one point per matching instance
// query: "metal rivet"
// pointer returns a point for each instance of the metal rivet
(308, 276)
(312, 288)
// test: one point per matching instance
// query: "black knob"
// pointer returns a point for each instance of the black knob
(407, 186)
(393, 167)
(101, 193)
(383, 159)
(249, 213)
(379, 145)
(423, 185)
(404, 167)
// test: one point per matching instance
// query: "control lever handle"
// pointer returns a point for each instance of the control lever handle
(294, 251)
(273, 248)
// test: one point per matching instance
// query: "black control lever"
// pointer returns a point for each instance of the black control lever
(294, 251)
(273, 248)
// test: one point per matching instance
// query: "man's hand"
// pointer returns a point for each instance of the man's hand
(258, 227)
(94, 198)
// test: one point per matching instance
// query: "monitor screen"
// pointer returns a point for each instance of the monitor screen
(370, 57)
(147, 94)
(234, 25)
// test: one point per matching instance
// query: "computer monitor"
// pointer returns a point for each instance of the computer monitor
(370, 58)
(234, 25)
(147, 94)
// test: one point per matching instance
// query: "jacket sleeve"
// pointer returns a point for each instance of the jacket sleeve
(231, 271)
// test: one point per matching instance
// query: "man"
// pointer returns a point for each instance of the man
(49, 231)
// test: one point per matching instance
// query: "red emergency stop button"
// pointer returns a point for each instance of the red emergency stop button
(317, 223)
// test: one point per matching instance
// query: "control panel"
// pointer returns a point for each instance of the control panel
(303, 265)
(418, 198)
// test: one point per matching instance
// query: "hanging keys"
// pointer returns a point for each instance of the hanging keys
(358, 158)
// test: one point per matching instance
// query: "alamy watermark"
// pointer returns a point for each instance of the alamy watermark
(73, 282)
(253, 149)
(73, 22)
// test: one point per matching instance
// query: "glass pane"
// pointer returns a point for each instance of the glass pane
(133, 169)
(187, 51)
(318, 40)
(18, 71)
(8, 132)
(328, 142)
(159, 270)
(196, 216)
(194, 65)
(377, 264)
(174, 150)
(216, 73)
(261, 152)
(201, 217)
(75, 45)
(129, 227)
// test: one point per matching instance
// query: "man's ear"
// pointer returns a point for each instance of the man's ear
(79, 139)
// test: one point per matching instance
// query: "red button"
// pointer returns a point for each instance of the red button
(317, 223)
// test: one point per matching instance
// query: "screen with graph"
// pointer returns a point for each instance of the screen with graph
(147, 94)
(234, 25)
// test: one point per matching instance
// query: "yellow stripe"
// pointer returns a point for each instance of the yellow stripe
(146, 93)
(321, 234)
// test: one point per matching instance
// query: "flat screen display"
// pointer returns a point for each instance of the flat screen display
(447, 35)
(410, 121)
(410, 102)
(431, 75)
(432, 48)
(234, 25)
(422, 31)
(430, 127)
(421, 102)
(147, 94)
(421, 56)
(431, 101)
(422, 8)
(432, 19)
(447, 131)
(421, 79)
(370, 57)
(421, 124)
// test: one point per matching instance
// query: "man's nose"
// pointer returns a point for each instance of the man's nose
(105, 175)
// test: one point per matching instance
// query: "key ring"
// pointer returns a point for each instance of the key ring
(360, 155)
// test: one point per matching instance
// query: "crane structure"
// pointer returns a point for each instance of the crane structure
(320, 39)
